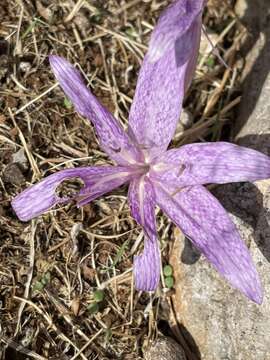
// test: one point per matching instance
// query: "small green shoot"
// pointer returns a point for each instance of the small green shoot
(210, 62)
(167, 270)
(93, 308)
(99, 296)
(43, 282)
(131, 32)
(29, 28)
(169, 282)
(67, 103)
(118, 256)
(120, 253)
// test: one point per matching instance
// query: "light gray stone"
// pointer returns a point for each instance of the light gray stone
(221, 321)
(254, 110)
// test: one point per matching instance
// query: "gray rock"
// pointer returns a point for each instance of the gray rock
(223, 324)
(253, 119)
(165, 348)
(221, 321)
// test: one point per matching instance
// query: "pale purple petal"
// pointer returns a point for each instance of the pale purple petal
(205, 222)
(142, 204)
(113, 138)
(94, 181)
(166, 71)
(146, 266)
(205, 163)
(173, 23)
(195, 40)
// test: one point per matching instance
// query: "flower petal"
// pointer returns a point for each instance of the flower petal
(147, 266)
(166, 71)
(82, 184)
(142, 204)
(194, 35)
(173, 23)
(205, 222)
(113, 138)
(206, 163)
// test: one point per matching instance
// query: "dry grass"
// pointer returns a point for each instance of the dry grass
(51, 268)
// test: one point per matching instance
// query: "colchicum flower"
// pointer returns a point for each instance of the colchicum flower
(172, 179)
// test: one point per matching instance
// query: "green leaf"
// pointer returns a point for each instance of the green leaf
(210, 62)
(46, 278)
(167, 270)
(93, 308)
(169, 282)
(29, 28)
(120, 253)
(67, 103)
(42, 282)
(99, 296)
(38, 286)
(131, 32)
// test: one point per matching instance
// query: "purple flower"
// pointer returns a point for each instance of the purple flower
(171, 179)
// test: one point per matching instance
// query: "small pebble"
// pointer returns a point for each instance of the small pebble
(13, 175)
(165, 348)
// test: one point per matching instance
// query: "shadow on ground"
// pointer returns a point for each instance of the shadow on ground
(257, 20)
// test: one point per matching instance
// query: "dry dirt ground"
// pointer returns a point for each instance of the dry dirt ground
(66, 286)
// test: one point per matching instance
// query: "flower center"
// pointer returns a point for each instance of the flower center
(146, 168)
